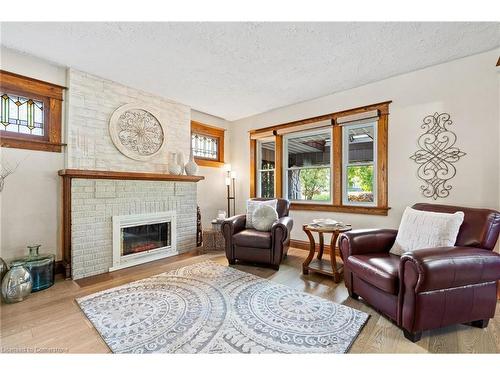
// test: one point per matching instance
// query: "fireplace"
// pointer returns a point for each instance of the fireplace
(143, 238)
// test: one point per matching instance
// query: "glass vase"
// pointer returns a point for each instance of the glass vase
(17, 283)
(41, 268)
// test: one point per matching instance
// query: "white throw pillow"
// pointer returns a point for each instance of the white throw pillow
(253, 205)
(264, 217)
(425, 229)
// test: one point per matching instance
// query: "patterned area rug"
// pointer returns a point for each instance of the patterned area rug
(210, 308)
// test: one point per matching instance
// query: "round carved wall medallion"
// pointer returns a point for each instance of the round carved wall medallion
(136, 131)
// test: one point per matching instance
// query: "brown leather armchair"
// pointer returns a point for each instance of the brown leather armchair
(250, 245)
(429, 288)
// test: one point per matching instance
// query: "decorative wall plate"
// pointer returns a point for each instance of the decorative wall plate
(436, 155)
(136, 131)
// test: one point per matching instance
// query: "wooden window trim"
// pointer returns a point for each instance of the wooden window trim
(278, 165)
(253, 170)
(383, 108)
(337, 205)
(211, 131)
(52, 97)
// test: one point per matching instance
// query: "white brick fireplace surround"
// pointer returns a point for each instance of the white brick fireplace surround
(91, 202)
(100, 182)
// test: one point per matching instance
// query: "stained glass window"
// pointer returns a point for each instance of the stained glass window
(21, 115)
(204, 146)
(207, 144)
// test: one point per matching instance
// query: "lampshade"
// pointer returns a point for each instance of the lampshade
(233, 174)
(228, 181)
(227, 167)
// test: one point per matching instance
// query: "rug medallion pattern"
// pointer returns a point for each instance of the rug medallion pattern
(210, 308)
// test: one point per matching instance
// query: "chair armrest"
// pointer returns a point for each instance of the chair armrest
(233, 225)
(230, 227)
(280, 235)
(281, 229)
(366, 241)
(448, 267)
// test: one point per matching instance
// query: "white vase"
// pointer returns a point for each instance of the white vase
(173, 167)
(191, 167)
(180, 161)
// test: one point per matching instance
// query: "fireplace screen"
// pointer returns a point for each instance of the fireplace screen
(145, 237)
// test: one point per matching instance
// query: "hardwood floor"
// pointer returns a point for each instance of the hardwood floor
(51, 320)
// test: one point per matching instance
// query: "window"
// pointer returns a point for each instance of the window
(22, 115)
(204, 146)
(359, 168)
(30, 113)
(308, 166)
(334, 162)
(265, 168)
(207, 144)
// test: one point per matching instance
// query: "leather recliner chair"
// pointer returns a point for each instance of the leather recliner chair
(253, 246)
(428, 288)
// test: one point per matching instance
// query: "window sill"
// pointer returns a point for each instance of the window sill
(31, 144)
(208, 163)
(382, 211)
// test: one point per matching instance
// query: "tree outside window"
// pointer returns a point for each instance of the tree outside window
(308, 170)
(359, 143)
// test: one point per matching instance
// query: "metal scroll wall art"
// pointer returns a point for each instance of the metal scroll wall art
(436, 156)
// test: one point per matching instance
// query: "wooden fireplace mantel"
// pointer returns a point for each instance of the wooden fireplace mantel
(114, 175)
(69, 174)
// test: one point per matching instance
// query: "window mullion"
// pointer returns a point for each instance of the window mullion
(337, 165)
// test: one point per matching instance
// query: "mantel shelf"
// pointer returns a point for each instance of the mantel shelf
(114, 175)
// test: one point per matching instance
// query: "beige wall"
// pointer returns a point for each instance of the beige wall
(467, 89)
(212, 190)
(30, 201)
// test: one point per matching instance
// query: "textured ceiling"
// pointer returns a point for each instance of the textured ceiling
(234, 70)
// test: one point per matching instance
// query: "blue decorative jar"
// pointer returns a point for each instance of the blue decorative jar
(40, 267)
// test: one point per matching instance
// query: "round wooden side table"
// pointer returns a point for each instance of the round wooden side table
(320, 265)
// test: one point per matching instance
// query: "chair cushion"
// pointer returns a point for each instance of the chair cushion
(252, 205)
(479, 229)
(425, 229)
(378, 269)
(264, 217)
(282, 206)
(253, 238)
